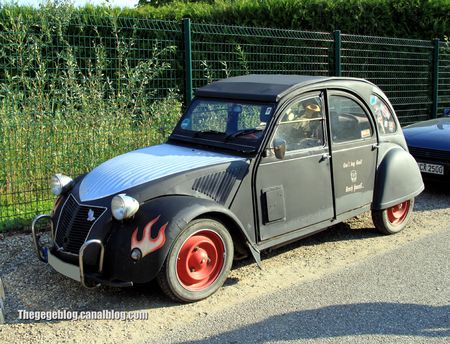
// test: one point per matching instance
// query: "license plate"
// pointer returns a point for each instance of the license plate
(431, 168)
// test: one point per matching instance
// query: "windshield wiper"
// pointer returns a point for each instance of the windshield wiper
(198, 133)
(242, 132)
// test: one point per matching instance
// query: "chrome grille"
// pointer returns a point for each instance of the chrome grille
(73, 227)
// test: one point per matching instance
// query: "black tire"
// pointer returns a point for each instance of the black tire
(394, 219)
(198, 262)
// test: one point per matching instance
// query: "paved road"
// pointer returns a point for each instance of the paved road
(399, 297)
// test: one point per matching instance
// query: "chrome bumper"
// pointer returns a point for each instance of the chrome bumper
(37, 245)
(66, 269)
(81, 261)
(70, 270)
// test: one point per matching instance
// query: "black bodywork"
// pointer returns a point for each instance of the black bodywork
(262, 200)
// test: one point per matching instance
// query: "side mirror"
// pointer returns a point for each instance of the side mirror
(279, 147)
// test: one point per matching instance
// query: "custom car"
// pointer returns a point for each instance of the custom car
(255, 161)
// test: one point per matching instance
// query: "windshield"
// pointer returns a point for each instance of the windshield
(231, 122)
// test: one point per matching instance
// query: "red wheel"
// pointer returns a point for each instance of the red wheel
(394, 219)
(398, 213)
(198, 261)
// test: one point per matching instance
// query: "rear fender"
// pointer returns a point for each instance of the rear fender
(398, 179)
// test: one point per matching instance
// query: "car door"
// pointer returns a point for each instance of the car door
(353, 150)
(296, 191)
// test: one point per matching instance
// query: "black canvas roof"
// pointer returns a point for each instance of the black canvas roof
(260, 87)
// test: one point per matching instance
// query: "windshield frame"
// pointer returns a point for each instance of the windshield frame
(223, 140)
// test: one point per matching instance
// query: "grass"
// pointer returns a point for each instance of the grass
(66, 107)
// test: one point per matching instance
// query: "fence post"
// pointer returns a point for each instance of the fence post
(435, 77)
(337, 53)
(187, 38)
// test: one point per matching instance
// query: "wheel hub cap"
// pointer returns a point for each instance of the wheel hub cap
(200, 260)
(398, 213)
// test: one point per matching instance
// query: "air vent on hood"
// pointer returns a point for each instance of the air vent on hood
(218, 185)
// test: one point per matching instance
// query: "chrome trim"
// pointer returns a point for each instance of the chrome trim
(57, 222)
(37, 245)
(81, 263)
(90, 229)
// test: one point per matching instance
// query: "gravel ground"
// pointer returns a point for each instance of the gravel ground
(399, 297)
(32, 285)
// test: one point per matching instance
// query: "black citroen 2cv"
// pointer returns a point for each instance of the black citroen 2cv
(254, 162)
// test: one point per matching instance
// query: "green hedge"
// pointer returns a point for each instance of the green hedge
(423, 19)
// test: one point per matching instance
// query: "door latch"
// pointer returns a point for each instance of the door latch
(325, 156)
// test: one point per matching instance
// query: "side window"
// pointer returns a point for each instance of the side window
(301, 125)
(384, 117)
(348, 120)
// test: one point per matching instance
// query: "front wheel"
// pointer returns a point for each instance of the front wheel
(198, 263)
(394, 219)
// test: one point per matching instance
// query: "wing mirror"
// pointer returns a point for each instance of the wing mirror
(279, 147)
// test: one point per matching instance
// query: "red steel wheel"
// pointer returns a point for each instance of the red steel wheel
(198, 262)
(394, 219)
(398, 213)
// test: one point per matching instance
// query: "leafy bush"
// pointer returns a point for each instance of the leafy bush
(421, 19)
(67, 105)
(401, 18)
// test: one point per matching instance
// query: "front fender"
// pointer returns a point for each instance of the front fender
(398, 179)
(164, 216)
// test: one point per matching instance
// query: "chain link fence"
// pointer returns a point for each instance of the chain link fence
(78, 90)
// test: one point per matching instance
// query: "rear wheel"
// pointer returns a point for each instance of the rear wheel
(394, 219)
(198, 262)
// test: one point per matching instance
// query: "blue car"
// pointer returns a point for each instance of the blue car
(429, 144)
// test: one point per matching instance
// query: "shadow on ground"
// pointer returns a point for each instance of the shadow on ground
(345, 320)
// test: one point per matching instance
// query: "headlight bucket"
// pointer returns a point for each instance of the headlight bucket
(59, 183)
(123, 206)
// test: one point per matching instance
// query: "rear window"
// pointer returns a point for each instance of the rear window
(383, 116)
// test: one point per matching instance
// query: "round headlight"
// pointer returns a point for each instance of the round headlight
(60, 183)
(123, 206)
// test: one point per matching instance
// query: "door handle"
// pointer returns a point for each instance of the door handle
(325, 156)
(375, 146)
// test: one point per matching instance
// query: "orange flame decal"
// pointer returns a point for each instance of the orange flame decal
(147, 244)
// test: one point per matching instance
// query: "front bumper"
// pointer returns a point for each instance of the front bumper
(66, 269)
(75, 272)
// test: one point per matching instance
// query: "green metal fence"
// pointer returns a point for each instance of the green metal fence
(400, 67)
(220, 51)
(77, 91)
(443, 82)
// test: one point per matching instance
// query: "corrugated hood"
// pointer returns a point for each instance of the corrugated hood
(144, 165)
